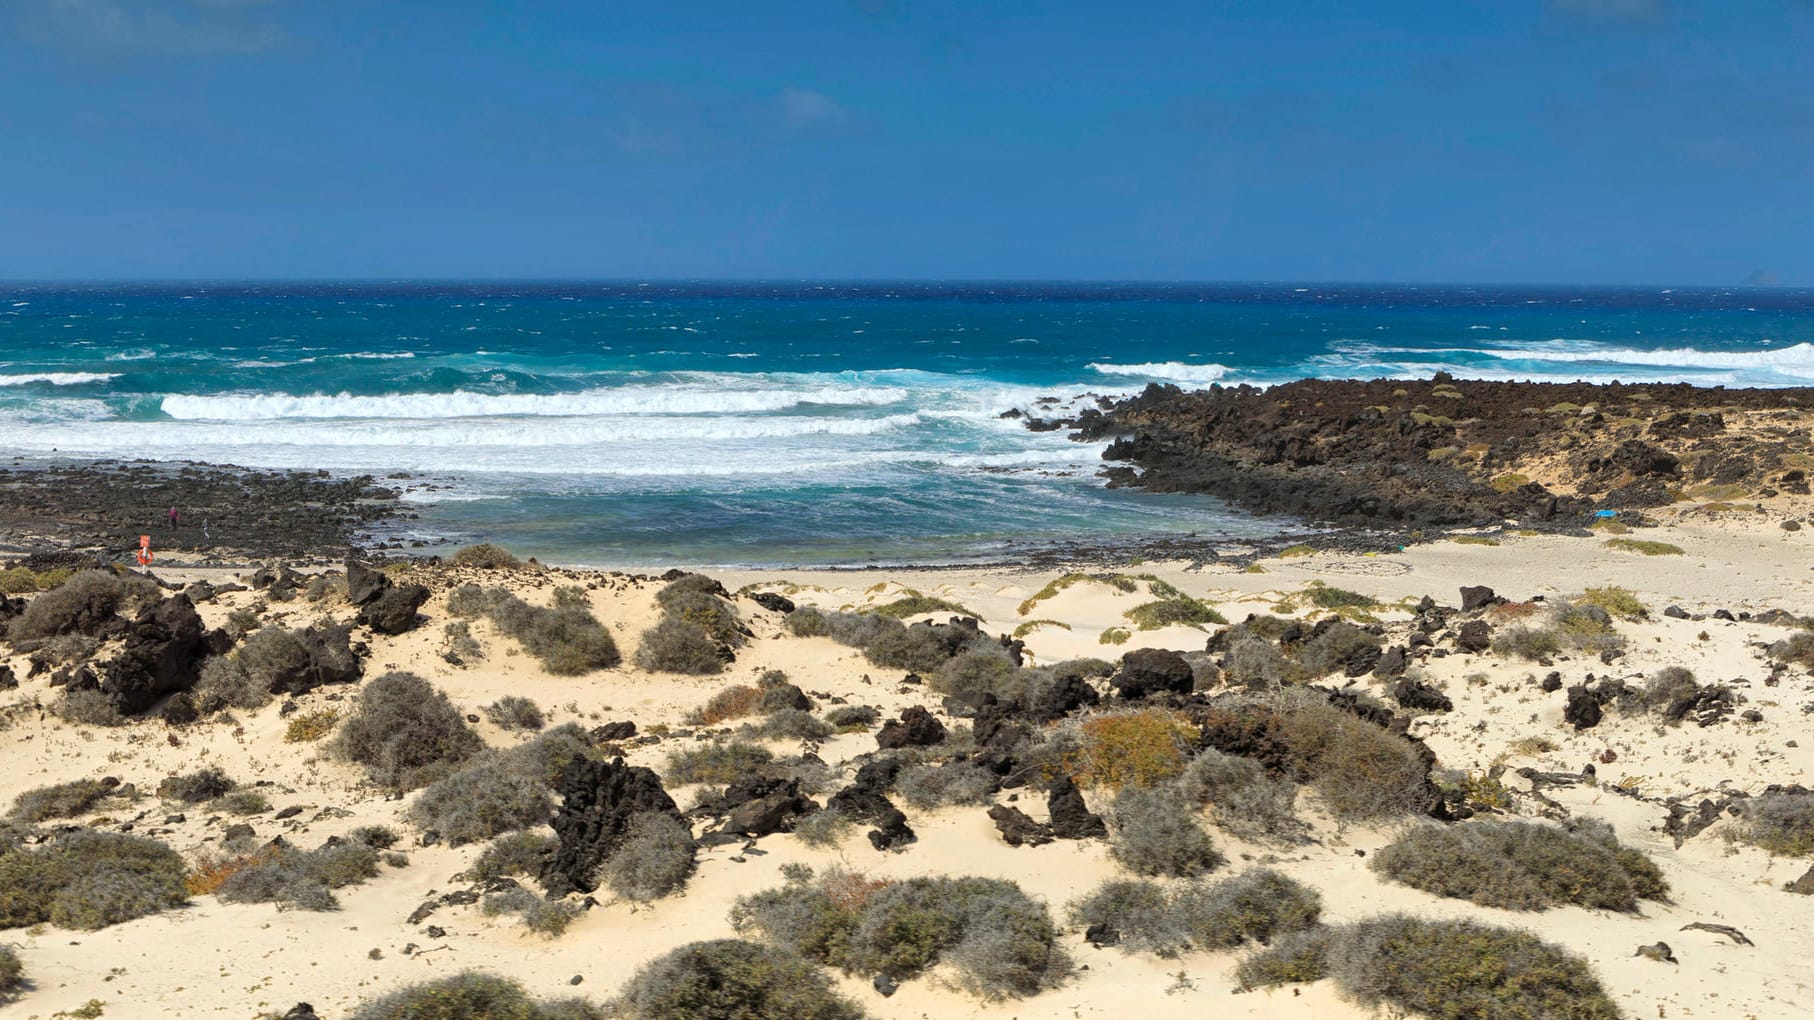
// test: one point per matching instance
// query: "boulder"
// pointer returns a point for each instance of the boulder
(1017, 828)
(1070, 818)
(865, 800)
(1392, 662)
(394, 611)
(915, 728)
(1803, 886)
(1583, 709)
(613, 731)
(330, 660)
(162, 655)
(1420, 696)
(1147, 671)
(1474, 636)
(1477, 596)
(773, 602)
(8, 680)
(598, 801)
(774, 811)
(364, 584)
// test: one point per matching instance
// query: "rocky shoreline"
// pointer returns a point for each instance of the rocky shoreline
(1443, 453)
(102, 507)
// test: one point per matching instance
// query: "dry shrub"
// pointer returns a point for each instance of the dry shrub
(485, 556)
(212, 870)
(1255, 906)
(88, 879)
(1782, 823)
(81, 604)
(733, 702)
(62, 800)
(206, 783)
(679, 646)
(935, 786)
(471, 995)
(656, 858)
(1137, 748)
(311, 726)
(1362, 772)
(1243, 799)
(512, 712)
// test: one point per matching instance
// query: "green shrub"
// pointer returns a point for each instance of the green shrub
(1325, 597)
(1525, 642)
(1622, 603)
(790, 724)
(1782, 823)
(697, 602)
(1255, 906)
(204, 784)
(1156, 833)
(730, 979)
(977, 671)
(1518, 865)
(18, 580)
(1446, 970)
(62, 800)
(1642, 547)
(1178, 611)
(243, 802)
(567, 639)
(913, 604)
(1297, 958)
(656, 858)
(512, 712)
(679, 646)
(305, 727)
(514, 853)
(718, 762)
(471, 995)
(1362, 772)
(846, 717)
(1143, 747)
(999, 942)
(12, 972)
(935, 786)
(403, 730)
(485, 556)
(80, 605)
(89, 879)
(1334, 647)
(915, 649)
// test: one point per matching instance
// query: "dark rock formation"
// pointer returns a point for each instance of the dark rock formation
(1474, 636)
(1060, 698)
(773, 809)
(1147, 671)
(613, 731)
(164, 649)
(394, 610)
(364, 584)
(1017, 828)
(598, 801)
(330, 660)
(915, 728)
(866, 800)
(1392, 662)
(1421, 697)
(1477, 596)
(1070, 818)
(773, 602)
(1583, 711)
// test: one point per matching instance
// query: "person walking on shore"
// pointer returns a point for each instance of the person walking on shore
(175, 518)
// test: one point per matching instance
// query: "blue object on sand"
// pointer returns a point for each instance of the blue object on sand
(1606, 513)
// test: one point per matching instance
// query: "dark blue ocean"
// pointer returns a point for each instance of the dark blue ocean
(780, 424)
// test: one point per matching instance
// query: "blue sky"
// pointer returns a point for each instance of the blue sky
(1556, 141)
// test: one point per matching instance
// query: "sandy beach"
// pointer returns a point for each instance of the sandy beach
(239, 959)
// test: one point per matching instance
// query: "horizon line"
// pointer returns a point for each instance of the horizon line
(857, 281)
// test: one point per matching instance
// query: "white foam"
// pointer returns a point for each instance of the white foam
(1796, 360)
(621, 400)
(1171, 371)
(57, 378)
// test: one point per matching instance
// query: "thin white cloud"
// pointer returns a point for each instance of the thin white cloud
(802, 109)
(119, 27)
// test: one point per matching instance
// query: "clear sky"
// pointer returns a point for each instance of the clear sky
(1555, 141)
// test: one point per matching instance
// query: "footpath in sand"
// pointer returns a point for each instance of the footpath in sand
(240, 960)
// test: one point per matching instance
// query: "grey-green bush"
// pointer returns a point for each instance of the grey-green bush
(512, 712)
(1335, 646)
(539, 914)
(716, 762)
(1242, 798)
(303, 879)
(935, 786)
(1517, 865)
(514, 853)
(404, 730)
(499, 791)
(89, 879)
(1255, 906)
(1362, 772)
(12, 974)
(679, 646)
(1446, 970)
(472, 995)
(226, 684)
(1156, 833)
(655, 859)
(80, 605)
(62, 800)
(567, 639)
(204, 784)
(731, 979)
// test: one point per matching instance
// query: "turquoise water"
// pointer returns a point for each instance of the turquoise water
(786, 424)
